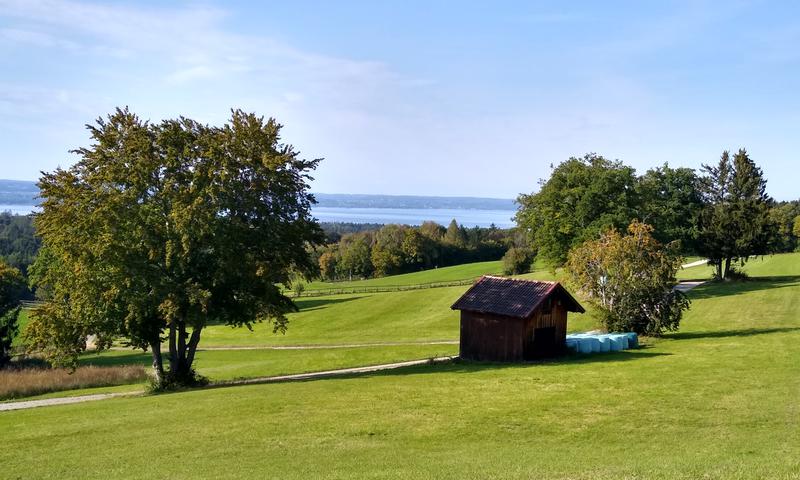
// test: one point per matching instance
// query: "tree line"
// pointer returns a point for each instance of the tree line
(722, 212)
(393, 249)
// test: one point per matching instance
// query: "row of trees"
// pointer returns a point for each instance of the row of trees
(724, 213)
(393, 249)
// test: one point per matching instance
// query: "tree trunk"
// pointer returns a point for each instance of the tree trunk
(173, 349)
(158, 361)
(727, 268)
(194, 340)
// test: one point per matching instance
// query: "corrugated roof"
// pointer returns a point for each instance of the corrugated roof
(511, 297)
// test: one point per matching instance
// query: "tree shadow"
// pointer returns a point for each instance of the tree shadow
(753, 284)
(460, 366)
(102, 359)
(305, 305)
(743, 332)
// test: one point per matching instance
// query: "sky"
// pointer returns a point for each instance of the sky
(421, 98)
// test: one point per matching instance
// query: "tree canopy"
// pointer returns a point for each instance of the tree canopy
(159, 229)
(582, 198)
(735, 222)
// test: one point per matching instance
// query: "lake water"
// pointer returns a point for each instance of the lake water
(409, 216)
(412, 216)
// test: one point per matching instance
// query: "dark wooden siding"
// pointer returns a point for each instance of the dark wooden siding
(491, 337)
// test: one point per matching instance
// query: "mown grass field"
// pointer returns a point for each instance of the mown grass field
(716, 400)
(445, 274)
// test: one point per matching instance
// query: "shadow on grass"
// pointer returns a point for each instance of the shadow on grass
(743, 332)
(306, 305)
(105, 360)
(459, 366)
(753, 284)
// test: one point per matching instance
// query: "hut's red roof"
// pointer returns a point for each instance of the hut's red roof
(512, 297)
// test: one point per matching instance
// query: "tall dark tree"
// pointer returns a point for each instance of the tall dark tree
(582, 198)
(11, 287)
(160, 228)
(735, 222)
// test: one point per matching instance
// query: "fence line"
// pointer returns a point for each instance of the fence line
(379, 289)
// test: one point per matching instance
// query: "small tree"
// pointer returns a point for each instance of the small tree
(517, 260)
(630, 278)
(11, 286)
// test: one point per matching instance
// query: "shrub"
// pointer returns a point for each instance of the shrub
(517, 260)
(630, 278)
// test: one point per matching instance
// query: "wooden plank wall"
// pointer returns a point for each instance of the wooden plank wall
(491, 337)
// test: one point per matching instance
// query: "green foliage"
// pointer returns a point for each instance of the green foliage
(455, 235)
(796, 230)
(18, 241)
(518, 260)
(161, 228)
(669, 201)
(582, 197)
(395, 249)
(735, 222)
(11, 287)
(630, 278)
(785, 215)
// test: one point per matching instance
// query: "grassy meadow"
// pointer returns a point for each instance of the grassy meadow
(718, 399)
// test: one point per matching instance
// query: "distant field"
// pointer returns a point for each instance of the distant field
(716, 400)
(768, 265)
(445, 274)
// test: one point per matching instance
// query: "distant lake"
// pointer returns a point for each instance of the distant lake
(409, 216)
(415, 216)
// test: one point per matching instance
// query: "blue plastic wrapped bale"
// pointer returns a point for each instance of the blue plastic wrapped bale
(624, 339)
(605, 343)
(615, 342)
(595, 343)
(633, 340)
(572, 344)
(584, 345)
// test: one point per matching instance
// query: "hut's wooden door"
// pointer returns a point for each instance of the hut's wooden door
(543, 343)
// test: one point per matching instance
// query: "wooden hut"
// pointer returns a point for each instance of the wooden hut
(510, 320)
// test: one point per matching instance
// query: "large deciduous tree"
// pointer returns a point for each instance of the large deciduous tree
(670, 201)
(582, 198)
(630, 278)
(159, 229)
(735, 221)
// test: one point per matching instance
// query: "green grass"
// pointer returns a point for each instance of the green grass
(466, 271)
(236, 364)
(768, 265)
(716, 400)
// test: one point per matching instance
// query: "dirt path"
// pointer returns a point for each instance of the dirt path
(47, 402)
(686, 286)
(695, 264)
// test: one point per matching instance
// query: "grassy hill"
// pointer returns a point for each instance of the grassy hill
(466, 271)
(716, 400)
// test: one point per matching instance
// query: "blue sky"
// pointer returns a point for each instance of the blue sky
(436, 98)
